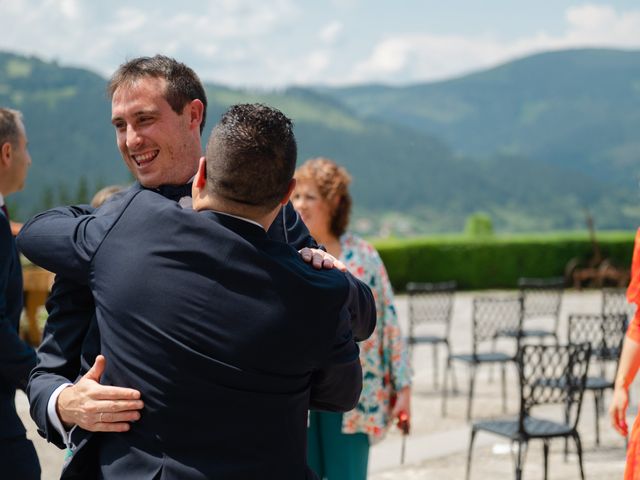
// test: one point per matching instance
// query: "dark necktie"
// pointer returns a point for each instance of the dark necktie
(6, 212)
(175, 192)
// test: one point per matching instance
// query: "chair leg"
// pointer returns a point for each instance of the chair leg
(545, 450)
(472, 380)
(435, 366)
(445, 386)
(566, 439)
(469, 453)
(410, 350)
(520, 459)
(504, 387)
(454, 381)
(493, 349)
(576, 438)
(596, 402)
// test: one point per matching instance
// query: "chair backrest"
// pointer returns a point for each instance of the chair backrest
(430, 303)
(605, 333)
(493, 314)
(553, 374)
(614, 300)
(542, 296)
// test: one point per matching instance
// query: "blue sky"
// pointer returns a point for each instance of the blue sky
(276, 43)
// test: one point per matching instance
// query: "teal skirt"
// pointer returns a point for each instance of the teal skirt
(334, 455)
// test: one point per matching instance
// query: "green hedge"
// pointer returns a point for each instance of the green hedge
(494, 262)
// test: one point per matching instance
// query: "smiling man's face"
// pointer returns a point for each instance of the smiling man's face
(160, 146)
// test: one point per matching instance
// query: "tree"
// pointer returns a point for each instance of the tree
(82, 192)
(479, 224)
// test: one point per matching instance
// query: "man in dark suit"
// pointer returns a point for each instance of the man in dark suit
(18, 459)
(220, 339)
(158, 133)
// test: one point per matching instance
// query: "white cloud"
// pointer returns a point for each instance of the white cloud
(278, 42)
(331, 32)
(127, 21)
(602, 25)
(418, 57)
(590, 16)
(70, 9)
(345, 3)
(317, 62)
(102, 36)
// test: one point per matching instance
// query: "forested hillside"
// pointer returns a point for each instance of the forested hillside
(429, 155)
(578, 109)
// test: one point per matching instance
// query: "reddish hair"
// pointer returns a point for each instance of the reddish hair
(332, 182)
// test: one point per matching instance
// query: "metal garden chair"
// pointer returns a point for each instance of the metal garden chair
(539, 368)
(542, 300)
(605, 334)
(489, 315)
(614, 300)
(430, 307)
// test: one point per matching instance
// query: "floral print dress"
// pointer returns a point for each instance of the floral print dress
(384, 356)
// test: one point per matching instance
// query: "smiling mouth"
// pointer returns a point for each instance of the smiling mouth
(145, 158)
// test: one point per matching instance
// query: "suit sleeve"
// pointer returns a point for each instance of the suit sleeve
(336, 386)
(362, 308)
(63, 240)
(68, 336)
(289, 228)
(71, 339)
(16, 357)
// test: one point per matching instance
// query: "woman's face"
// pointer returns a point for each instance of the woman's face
(312, 207)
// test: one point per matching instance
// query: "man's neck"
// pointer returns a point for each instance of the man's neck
(244, 219)
(247, 213)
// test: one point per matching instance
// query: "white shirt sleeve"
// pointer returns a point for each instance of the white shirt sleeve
(53, 415)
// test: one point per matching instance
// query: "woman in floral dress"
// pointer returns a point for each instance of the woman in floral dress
(338, 444)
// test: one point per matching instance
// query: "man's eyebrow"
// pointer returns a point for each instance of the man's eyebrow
(147, 111)
(139, 113)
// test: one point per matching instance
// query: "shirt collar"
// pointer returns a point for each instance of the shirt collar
(239, 218)
(1, 200)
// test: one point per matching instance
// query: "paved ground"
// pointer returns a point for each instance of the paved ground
(437, 447)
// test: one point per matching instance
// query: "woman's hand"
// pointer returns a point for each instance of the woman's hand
(402, 409)
(321, 260)
(15, 228)
(618, 410)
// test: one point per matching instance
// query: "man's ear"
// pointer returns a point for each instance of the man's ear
(196, 111)
(200, 180)
(198, 193)
(201, 175)
(292, 186)
(5, 154)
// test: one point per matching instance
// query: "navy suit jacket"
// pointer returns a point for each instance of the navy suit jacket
(211, 321)
(71, 338)
(16, 357)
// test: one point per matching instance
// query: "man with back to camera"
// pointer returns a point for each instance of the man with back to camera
(18, 458)
(158, 110)
(226, 389)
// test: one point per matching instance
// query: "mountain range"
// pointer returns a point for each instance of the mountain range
(534, 142)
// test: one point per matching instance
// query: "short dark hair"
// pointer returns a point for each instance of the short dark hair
(332, 182)
(10, 126)
(251, 156)
(183, 85)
